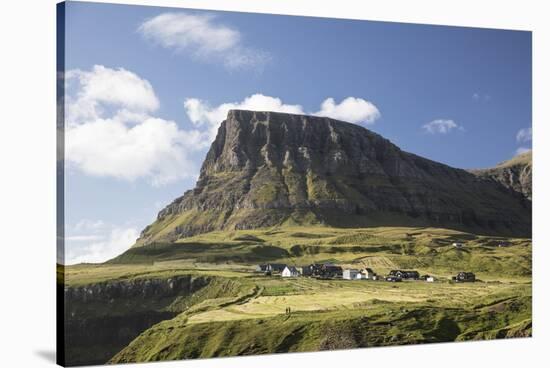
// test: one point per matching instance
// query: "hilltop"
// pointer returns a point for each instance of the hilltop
(515, 174)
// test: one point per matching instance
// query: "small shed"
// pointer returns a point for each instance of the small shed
(458, 245)
(430, 279)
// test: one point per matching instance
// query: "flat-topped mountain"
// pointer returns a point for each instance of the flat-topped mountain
(515, 173)
(266, 169)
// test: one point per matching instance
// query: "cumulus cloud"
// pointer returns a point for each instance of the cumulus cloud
(524, 135)
(351, 109)
(103, 88)
(110, 130)
(102, 245)
(441, 126)
(203, 37)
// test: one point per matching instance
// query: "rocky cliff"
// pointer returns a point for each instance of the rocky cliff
(515, 174)
(266, 169)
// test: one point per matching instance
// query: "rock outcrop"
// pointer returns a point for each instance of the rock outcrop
(266, 169)
(515, 174)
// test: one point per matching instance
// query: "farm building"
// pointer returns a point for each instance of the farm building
(330, 270)
(430, 279)
(351, 274)
(290, 271)
(310, 270)
(368, 273)
(261, 268)
(465, 277)
(407, 275)
(458, 245)
(275, 267)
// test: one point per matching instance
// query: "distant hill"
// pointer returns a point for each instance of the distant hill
(515, 174)
(266, 169)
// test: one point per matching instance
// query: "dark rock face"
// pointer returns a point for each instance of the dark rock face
(266, 169)
(515, 174)
(102, 318)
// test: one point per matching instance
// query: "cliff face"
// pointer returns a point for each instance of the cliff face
(515, 174)
(103, 318)
(266, 169)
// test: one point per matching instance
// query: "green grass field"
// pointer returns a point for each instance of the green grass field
(235, 311)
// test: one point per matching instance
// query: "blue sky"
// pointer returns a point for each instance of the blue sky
(461, 96)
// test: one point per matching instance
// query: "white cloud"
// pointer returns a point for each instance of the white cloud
(522, 150)
(110, 131)
(98, 249)
(351, 109)
(524, 135)
(441, 126)
(102, 88)
(205, 39)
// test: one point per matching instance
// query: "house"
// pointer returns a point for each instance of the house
(329, 270)
(430, 279)
(351, 274)
(465, 277)
(368, 273)
(407, 275)
(261, 268)
(290, 271)
(275, 267)
(308, 270)
(458, 245)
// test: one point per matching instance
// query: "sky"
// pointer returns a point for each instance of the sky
(146, 88)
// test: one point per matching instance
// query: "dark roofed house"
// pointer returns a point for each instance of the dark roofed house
(465, 277)
(275, 267)
(331, 270)
(406, 275)
(261, 268)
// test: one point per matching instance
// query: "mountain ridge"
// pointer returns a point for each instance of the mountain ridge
(515, 173)
(270, 169)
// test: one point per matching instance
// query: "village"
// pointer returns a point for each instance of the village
(327, 271)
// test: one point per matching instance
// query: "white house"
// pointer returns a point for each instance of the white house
(458, 245)
(368, 273)
(290, 271)
(350, 274)
(430, 279)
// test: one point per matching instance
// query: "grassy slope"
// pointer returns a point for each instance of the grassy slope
(393, 315)
(249, 317)
(428, 249)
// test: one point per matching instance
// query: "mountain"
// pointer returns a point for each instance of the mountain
(266, 169)
(515, 174)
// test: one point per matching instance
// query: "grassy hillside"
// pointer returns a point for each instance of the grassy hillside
(227, 309)
(428, 249)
